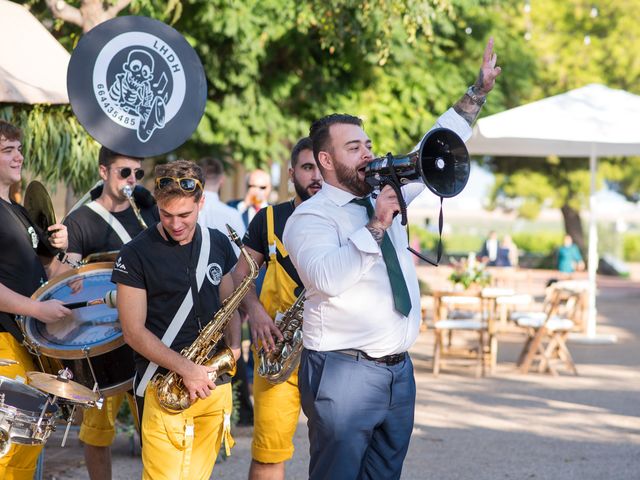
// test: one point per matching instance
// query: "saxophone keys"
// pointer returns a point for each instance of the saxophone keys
(286, 351)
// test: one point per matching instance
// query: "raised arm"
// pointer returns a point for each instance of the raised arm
(468, 107)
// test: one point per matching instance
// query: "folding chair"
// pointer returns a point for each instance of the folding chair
(547, 332)
(458, 313)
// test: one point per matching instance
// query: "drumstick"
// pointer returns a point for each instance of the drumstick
(109, 300)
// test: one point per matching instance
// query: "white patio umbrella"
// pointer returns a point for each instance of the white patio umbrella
(590, 122)
(33, 64)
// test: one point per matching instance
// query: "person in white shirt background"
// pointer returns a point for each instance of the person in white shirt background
(256, 198)
(215, 213)
(362, 309)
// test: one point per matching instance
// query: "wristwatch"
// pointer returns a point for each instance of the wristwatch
(475, 97)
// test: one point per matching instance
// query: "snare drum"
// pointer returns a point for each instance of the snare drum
(26, 416)
(89, 342)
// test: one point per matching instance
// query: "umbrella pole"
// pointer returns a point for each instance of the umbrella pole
(592, 312)
(593, 246)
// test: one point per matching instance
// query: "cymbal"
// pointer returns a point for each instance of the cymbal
(4, 362)
(38, 205)
(60, 387)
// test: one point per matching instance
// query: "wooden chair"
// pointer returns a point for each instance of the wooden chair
(458, 312)
(547, 332)
(508, 305)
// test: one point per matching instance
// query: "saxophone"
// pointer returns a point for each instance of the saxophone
(171, 392)
(128, 192)
(276, 367)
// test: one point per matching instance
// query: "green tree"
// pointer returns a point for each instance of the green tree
(273, 66)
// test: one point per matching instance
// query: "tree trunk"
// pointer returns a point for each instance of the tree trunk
(573, 227)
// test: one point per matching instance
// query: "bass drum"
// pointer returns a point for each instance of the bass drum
(89, 342)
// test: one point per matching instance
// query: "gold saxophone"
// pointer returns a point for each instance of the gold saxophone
(171, 392)
(276, 367)
(128, 192)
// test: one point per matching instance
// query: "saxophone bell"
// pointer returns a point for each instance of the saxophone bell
(276, 367)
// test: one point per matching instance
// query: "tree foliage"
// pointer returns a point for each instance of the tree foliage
(273, 66)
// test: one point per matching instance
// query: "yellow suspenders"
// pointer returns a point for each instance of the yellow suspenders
(278, 288)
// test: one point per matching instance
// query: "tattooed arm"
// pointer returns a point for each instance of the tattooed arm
(467, 107)
(386, 207)
(376, 229)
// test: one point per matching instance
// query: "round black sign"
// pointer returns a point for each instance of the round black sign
(136, 86)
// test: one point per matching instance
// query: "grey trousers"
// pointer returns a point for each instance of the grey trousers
(360, 415)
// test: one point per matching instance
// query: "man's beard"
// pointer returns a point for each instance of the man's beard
(349, 178)
(303, 192)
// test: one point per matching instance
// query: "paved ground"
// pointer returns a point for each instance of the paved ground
(507, 426)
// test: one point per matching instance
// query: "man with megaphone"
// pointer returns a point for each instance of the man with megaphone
(362, 310)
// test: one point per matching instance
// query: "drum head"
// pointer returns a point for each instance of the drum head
(95, 328)
(23, 397)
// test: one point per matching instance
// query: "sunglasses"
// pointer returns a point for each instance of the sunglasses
(125, 172)
(261, 187)
(185, 184)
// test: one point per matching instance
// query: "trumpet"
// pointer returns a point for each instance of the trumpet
(128, 192)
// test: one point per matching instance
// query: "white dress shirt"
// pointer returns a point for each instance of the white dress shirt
(217, 214)
(349, 303)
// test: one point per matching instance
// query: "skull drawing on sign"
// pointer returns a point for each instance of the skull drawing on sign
(139, 68)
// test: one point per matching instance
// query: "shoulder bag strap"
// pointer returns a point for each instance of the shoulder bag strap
(112, 221)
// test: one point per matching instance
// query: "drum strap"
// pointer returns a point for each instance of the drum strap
(183, 312)
(113, 222)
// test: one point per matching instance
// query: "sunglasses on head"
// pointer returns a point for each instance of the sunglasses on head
(125, 172)
(261, 187)
(185, 184)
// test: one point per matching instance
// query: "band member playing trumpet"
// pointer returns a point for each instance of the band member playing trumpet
(362, 309)
(104, 225)
(25, 263)
(171, 281)
(276, 407)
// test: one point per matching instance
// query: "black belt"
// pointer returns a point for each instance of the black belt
(388, 360)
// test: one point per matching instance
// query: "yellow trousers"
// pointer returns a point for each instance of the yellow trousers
(99, 425)
(20, 461)
(276, 411)
(184, 446)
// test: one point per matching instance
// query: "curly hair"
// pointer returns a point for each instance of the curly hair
(178, 169)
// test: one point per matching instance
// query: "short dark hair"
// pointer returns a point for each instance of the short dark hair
(107, 156)
(10, 132)
(303, 144)
(319, 131)
(178, 169)
(212, 167)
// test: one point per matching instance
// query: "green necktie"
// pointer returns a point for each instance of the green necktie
(401, 298)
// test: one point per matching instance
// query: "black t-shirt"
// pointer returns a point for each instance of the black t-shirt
(89, 233)
(20, 267)
(162, 268)
(256, 237)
